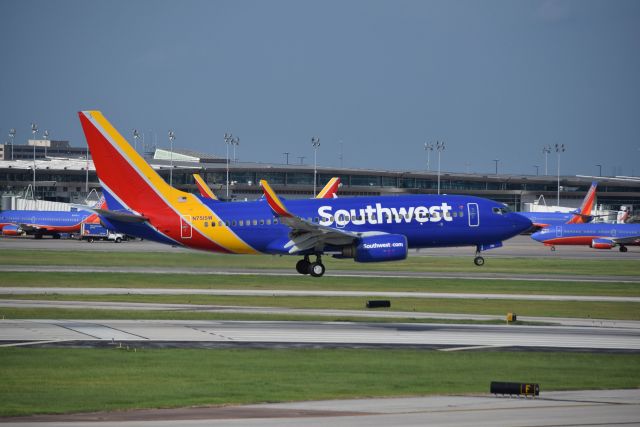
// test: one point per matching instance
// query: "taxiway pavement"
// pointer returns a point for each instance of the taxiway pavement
(290, 333)
(559, 408)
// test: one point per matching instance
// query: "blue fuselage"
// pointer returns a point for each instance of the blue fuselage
(425, 220)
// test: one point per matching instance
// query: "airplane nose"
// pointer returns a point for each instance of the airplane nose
(520, 222)
(538, 235)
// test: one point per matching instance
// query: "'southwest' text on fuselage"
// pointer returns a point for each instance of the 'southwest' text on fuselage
(380, 215)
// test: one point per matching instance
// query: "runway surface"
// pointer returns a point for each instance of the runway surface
(224, 271)
(519, 246)
(196, 332)
(564, 408)
(377, 313)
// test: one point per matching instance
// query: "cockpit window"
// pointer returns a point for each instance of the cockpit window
(501, 210)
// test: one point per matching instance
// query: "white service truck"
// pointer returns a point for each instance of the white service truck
(93, 232)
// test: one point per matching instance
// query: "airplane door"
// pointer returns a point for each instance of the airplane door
(185, 226)
(558, 231)
(474, 214)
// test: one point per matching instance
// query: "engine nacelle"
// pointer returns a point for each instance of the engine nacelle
(11, 230)
(385, 247)
(602, 244)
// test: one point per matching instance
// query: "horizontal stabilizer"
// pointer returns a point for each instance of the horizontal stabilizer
(120, 216)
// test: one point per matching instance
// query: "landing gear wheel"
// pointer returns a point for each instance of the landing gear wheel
(623, 249)
(56, 236)
(478, 261)
(316, 269)
(303, 266)
(553, 248)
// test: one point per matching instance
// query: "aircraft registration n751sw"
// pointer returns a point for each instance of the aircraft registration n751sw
(367, 229)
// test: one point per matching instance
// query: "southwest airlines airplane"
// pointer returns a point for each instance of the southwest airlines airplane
(597, 236)
(581, 215)
(367, 229)
(41, 223)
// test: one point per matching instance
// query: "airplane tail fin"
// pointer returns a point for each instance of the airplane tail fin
(329, 191)
(584, 215)
(204, 189)
(123, 172)
(102, 203)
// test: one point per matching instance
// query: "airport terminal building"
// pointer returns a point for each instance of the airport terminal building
(70, 179)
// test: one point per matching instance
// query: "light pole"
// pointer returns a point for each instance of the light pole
(496, 160)
(12, 135)
(235, 142)
(172, 136)
(537, 168)
(315, 142)
(559, 149)
(136, 135)
(599, 170)
(46, 136)
(229, 140)
(428, 148)
(440, 148)
(34, 131)
(286, 156)
(546, 150)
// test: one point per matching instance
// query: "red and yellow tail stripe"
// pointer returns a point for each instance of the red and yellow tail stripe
(587, 206)
(329, 191)
(274, 202)
(129, 177)
(204, 189)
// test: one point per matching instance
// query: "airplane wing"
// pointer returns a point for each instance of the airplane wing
(304, 234)
(330, 190)
(29, 228)
(628, 240)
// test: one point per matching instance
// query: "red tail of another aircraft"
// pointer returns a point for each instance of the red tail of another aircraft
(587, 206)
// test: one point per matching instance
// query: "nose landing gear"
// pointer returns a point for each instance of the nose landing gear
(478, 260)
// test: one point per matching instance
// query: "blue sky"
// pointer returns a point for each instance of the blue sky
(493, 79)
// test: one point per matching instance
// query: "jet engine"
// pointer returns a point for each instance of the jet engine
(602, 244)
(11, 230)
(384, 247)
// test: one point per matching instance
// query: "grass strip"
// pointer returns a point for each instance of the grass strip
(413, 263)
(378, 284)
(36, 381)
(577, 309)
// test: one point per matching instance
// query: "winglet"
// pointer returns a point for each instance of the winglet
(275, 204)
(329, 191)
(204, 189)
(587, 206)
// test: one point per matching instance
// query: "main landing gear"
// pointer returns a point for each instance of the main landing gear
(316, 269)
(623, 248)
(478, 260)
